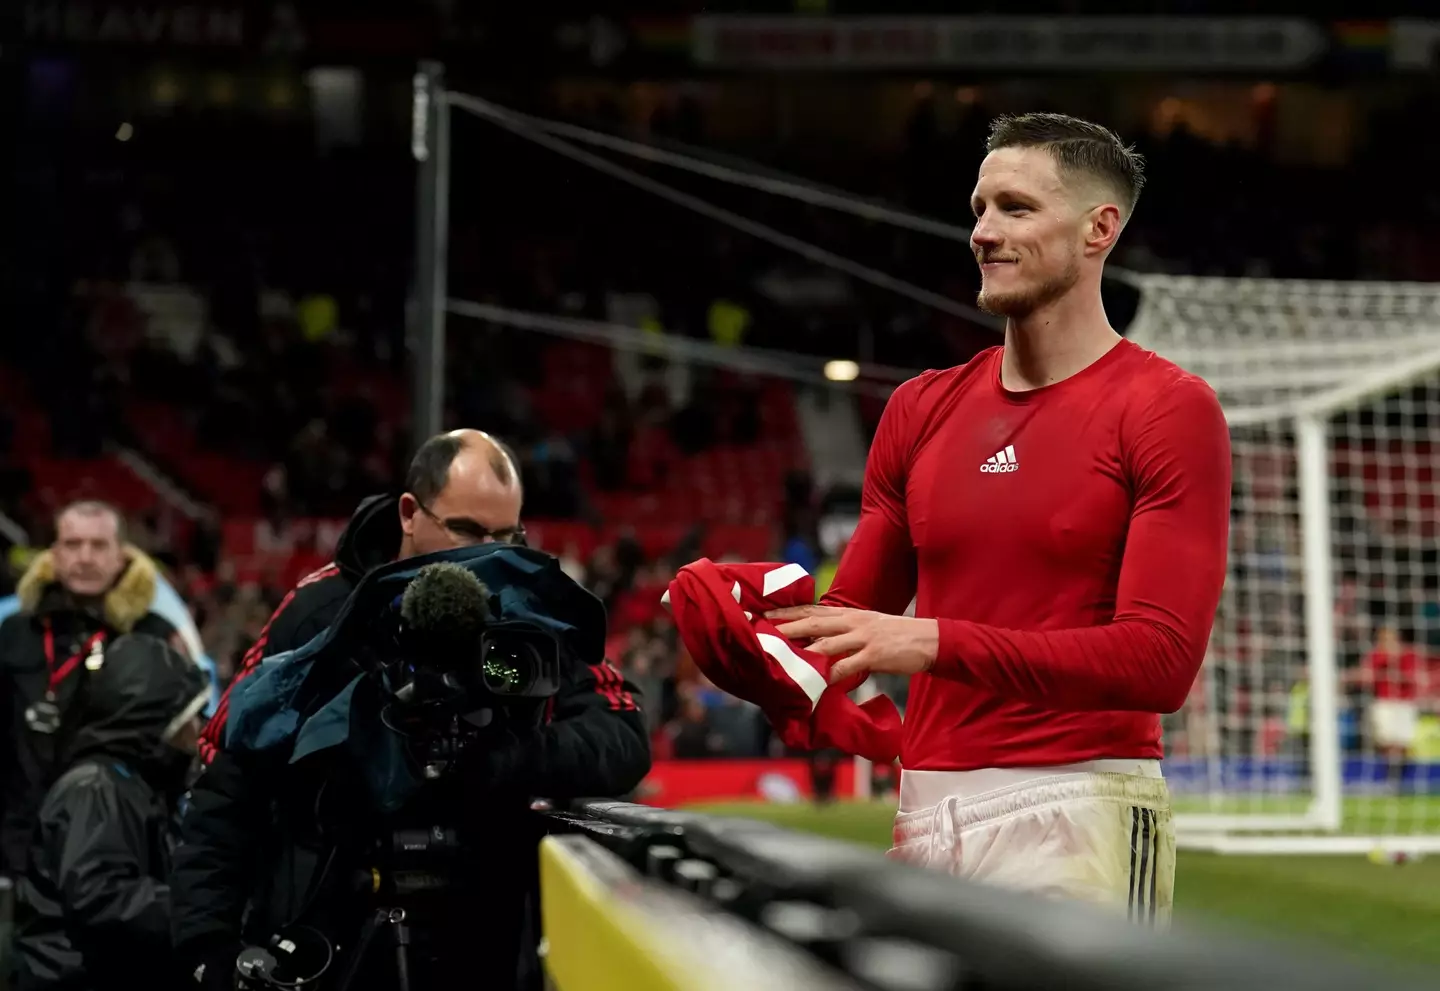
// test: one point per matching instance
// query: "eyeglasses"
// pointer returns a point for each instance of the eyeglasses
(470, 532)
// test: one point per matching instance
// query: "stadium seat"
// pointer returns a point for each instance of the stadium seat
(61, 480)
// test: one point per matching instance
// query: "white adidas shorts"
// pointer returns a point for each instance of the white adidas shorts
(1103, 838)
(1393, 722)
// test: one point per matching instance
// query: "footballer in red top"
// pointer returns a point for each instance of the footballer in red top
(1059, 510)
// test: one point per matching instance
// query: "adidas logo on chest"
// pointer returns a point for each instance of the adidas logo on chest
(1001, 461)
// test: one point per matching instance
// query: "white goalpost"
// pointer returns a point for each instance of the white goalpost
(1315, 724)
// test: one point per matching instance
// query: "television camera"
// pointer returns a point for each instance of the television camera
(452, 671)
(453, 678)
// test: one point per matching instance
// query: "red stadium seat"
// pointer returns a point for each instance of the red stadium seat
(1395, 481)
(61, 480)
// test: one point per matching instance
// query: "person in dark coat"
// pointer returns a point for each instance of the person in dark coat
(76, 597)
(93, 907)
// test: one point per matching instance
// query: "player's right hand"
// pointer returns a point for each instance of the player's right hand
(866, 642)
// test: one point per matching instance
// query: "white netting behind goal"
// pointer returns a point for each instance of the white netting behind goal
(1333, 395)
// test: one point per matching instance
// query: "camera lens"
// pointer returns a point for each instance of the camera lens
(509, 665)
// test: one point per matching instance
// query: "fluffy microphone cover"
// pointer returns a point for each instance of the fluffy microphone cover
(446, 601)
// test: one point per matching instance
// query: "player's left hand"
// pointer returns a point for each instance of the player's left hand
(866, 642)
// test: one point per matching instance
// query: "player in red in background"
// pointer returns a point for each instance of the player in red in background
(1059, 509)
(1401, 682)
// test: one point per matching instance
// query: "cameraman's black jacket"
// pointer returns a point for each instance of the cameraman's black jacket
(250, 836)
(93, 910)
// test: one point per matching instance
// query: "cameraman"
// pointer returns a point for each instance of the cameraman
(462, 489)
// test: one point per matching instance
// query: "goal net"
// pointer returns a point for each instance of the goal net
(1315, 723)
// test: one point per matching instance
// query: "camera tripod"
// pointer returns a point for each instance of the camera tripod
(393, 921)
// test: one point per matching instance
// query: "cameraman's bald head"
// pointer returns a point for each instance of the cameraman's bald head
(463, 488)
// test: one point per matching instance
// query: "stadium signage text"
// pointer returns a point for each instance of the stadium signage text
(135, 24)
(1180, 43)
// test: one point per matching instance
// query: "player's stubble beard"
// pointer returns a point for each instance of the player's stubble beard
(1023, 302)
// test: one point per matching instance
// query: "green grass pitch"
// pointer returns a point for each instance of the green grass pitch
(1344, 902)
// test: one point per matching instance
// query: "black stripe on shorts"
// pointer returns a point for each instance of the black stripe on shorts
(1134, 851)
(1144, 857)
(1155, 865)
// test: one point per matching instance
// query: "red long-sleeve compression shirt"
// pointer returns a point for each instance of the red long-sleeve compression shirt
(1071, 542)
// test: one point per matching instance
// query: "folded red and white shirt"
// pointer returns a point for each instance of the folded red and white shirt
(720, 612)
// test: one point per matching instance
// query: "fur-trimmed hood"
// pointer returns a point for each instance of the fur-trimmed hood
(128, 601)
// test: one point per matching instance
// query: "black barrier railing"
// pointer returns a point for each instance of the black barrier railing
(888, 925)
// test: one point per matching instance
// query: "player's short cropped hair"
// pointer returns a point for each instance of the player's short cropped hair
(1079, 147)
(430, 468)
(92, 507)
